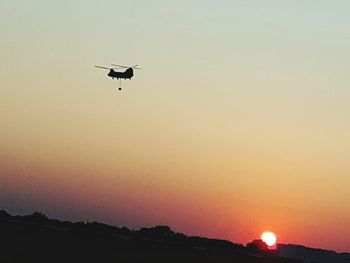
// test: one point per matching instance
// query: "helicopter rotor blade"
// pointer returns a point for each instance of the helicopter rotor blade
(120, 66)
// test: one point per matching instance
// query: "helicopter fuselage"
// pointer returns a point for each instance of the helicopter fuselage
(127, 74)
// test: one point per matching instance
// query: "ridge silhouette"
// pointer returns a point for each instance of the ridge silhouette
(37, 238)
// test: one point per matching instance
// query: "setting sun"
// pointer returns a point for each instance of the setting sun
(269, 238)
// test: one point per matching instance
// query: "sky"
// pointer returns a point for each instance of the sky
(237, 123)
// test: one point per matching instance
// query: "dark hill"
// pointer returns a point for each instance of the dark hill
(36, 238)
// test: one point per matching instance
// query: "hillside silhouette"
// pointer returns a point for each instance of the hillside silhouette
(36, 238)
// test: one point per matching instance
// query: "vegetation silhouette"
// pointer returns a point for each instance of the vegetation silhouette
(36, 238)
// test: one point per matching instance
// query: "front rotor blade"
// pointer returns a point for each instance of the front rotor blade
(121, 66)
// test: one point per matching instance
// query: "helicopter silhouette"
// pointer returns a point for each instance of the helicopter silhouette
(127, 74)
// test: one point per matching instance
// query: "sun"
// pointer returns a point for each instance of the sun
(269, 238)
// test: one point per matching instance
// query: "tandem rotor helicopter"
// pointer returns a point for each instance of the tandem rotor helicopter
(127, 74)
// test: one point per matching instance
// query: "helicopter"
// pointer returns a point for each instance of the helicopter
(127, 74)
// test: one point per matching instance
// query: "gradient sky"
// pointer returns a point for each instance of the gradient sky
(238, 122)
